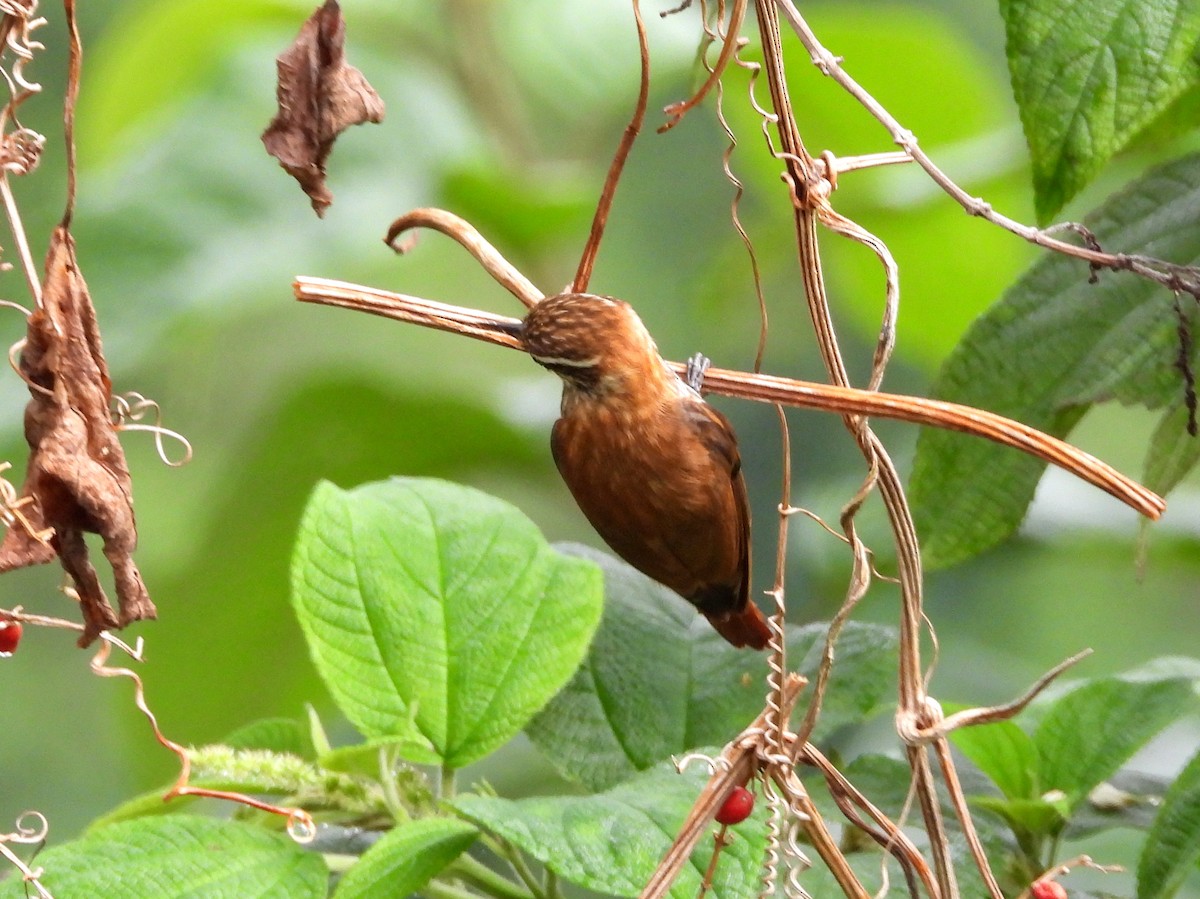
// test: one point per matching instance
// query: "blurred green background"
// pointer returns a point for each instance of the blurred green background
(506, 112)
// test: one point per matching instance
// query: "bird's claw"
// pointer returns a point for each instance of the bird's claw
(697, 365)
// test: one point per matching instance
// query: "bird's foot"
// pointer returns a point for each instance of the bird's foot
(697, 365)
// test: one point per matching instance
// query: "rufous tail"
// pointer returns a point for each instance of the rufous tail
(745, 628)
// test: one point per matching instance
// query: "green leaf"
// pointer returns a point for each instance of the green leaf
(178, 856)
(1173, 845)
(612, 842)
(438, 615)
(1003, 752)
(659, 681)
(286, 735)
(1173, 451)
(1086, 735)
(1052, 346)
(407, 858)
(1088, 75)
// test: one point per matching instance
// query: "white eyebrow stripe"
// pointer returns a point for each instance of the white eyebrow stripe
(570, 363)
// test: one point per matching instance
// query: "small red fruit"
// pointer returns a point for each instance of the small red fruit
(737, 806)
(10, 636)
(1047, 889)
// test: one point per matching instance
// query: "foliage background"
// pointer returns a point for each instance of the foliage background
(506, 111)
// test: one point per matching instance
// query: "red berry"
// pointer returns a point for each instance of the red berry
(10, 636)
(1047, 889)
(737, 806)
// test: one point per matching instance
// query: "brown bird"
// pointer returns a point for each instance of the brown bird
(654, 468)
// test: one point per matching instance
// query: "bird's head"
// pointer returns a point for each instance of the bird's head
(596, 344)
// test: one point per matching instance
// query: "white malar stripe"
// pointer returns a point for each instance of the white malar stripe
(570, 363)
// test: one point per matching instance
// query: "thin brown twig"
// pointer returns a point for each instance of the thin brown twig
(940, 727)
(502, 330)
(677, 111)
(583, 275)
(848, 798)
(300, 826)
(970, 832)
(74, 70)
(503, 271)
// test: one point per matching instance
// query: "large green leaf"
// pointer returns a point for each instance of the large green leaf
(178, 856)
(612, 842)
(1088, 75)
(1173, 844)
(1087, 734)
(1051, 347)
(438, 614)
(660, 681)
(407, 858)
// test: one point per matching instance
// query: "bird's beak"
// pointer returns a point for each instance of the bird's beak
(512, 327)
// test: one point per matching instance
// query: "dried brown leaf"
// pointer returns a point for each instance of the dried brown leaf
(319, 96)
(77, 478)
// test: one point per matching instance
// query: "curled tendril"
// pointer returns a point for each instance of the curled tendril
(128, 411)
(26, 832)
(301, 827)
(798, 860)
(11, 505)
(21, 151)
(771, 850)
(21, 43)
(682, 763)
(16, 349)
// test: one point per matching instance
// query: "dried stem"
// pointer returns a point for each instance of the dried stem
(462, 231)
(74, 66)
(940, 726)
(734, 767)
(583, 275)
(502, 330)
(729, 45)
(810, 203)
(32, 278)
(849, 800)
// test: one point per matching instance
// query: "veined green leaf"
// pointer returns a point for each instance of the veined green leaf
(1088, 75)
(659, 681)
(438, 615)
(1052, 346)
(178, 856)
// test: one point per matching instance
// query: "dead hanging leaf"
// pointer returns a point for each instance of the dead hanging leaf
(77, 478)
(319, 96)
